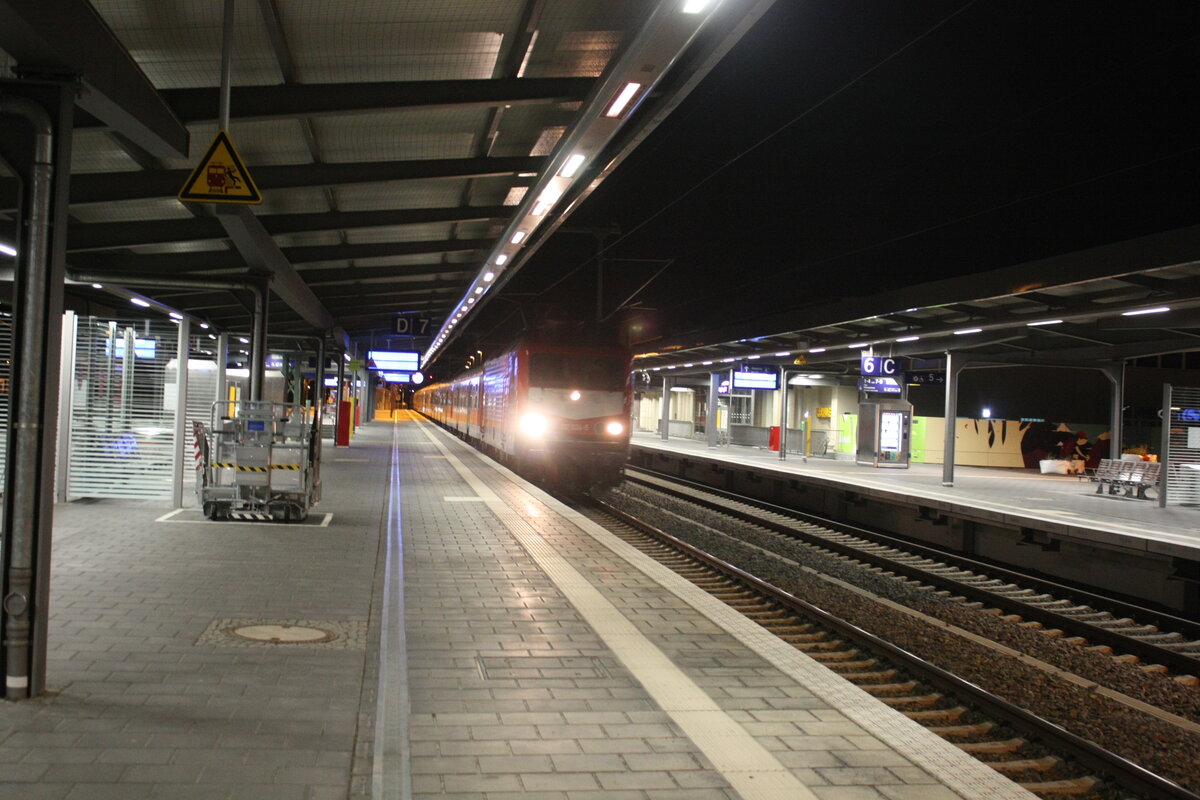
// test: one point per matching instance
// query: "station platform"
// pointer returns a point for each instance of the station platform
(480, 641)
(1068, 505)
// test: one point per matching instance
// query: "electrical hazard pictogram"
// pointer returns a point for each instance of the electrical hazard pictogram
(220, 177)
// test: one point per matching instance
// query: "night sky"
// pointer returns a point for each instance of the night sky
(846, 147)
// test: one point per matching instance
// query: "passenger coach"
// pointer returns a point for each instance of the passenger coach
(561, 412)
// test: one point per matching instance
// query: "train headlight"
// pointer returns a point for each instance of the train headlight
(533, 425)
(575, 395)
(614, 428)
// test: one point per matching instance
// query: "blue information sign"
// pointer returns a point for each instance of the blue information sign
(879, 385)
(880, 366)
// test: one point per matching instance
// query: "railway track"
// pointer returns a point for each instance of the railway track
(1042, 757)
(1159, 641)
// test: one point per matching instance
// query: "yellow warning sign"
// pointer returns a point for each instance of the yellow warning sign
(220, 177)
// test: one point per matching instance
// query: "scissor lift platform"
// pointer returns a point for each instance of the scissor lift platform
(263, 463)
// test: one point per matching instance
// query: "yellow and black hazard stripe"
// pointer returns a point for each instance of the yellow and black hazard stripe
(233, 465)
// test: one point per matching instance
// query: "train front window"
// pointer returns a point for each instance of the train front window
(552, 371)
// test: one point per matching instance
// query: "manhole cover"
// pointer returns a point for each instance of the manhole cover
(284, 634)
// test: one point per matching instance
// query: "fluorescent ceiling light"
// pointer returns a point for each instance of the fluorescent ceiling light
(816, 349)
(965, 331)
(518, 237)
(175, 315)
(204, 325)
(478, 290)
(728, 360)
(689, 365)
(137, 301)
(908, 338)
(7, 249)
(622, 99)
(471, 300)
(695, 6)
(572, 166)
(1139, 311)
(244, 340)
(97, 286)
(784, 353)
(501, 259)
(487, 276)
(753, 357)
(857, 345)
(548, 198)
(1044, 322)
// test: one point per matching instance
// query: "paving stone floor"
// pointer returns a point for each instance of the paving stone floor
(518, 685)
(137, 708)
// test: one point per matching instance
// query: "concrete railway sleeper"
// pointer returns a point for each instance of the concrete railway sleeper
(1040, 756)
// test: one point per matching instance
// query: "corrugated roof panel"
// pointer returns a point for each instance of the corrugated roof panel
(422, 40)
(131, 210)
(583, 53)
(579, 37)
(547, 140)
(401, 135)
(433, 261)
(278, 141)
(401, 233)
(178, 43)
(401, 194)
(521, 127)
(292, 201)
(204, 246)
(512, 197)
(308, 239)
(97, 151)
(480, 229)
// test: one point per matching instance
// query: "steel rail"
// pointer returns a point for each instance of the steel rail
(1179, 663)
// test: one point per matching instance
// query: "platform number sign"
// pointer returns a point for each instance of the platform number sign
(879, 366)
(412, 326)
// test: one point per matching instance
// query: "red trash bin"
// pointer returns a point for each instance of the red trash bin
(342, 430)
(773, 443)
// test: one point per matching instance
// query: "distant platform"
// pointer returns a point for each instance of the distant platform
(1058, 524)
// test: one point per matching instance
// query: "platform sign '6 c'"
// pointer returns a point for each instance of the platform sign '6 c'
(880, 366)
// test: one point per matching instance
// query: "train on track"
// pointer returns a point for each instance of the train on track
(555, 412)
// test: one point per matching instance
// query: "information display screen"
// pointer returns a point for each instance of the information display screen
(891, 423)
(756, 380)
(395, 360)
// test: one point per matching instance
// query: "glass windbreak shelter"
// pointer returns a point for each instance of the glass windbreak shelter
(884, 433)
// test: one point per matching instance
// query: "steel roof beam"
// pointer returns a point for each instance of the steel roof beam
(345, 275)
(260, 252)
(223, 259)
(69, 37)
(110, 235)
(295, 100)
(107, 187)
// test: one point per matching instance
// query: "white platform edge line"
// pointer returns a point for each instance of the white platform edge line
(955, 769)
(758, 774)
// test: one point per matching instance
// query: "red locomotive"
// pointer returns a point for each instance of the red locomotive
(554, 411)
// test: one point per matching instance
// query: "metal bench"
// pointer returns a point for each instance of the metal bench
(1131, 477)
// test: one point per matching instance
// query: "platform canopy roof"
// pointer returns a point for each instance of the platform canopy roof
(1090, 308)
(411, 155)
